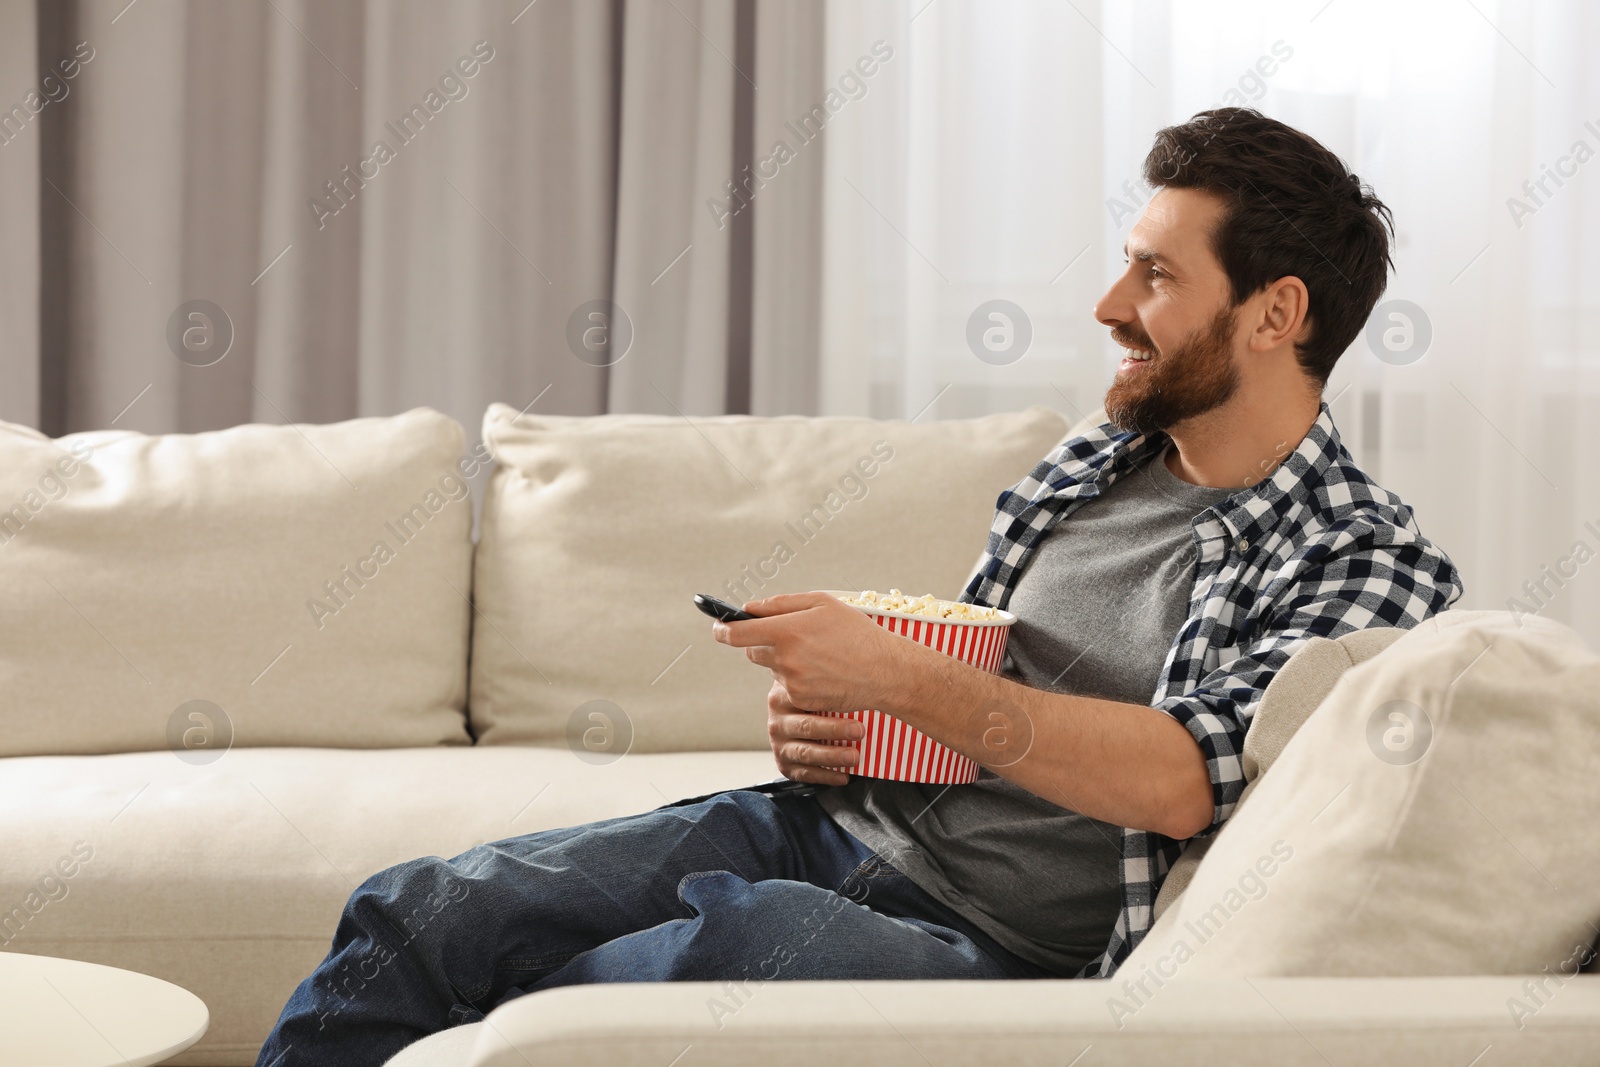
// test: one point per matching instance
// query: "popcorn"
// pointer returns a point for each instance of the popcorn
(928, 604)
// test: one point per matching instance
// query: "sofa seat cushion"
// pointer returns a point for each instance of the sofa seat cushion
(228, 878)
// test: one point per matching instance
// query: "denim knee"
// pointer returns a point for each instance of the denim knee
(725, 903)
(406, 901)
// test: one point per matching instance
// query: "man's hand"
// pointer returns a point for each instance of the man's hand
(796, 737)
(827, 655)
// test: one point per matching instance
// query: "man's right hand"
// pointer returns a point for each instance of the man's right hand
(797, 740)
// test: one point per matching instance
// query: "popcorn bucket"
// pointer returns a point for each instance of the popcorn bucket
(893, 750)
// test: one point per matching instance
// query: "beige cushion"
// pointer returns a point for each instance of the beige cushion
(1292, 695)
(228, 879)
(1480, 856)
(597, 531)
(142, 573)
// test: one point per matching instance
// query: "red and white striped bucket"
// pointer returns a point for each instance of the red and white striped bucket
(895, 751)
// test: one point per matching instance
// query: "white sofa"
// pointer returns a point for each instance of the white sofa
(227, 706)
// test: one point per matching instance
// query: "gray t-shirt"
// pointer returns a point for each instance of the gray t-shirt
(1098, 607)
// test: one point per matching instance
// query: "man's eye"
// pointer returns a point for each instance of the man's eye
(1155, 271)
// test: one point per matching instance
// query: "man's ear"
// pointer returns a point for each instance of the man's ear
(1285, 315)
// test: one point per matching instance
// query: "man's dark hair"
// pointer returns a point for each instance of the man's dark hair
(1292, 209)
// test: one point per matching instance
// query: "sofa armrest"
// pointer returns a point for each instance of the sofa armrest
(1278, 1021)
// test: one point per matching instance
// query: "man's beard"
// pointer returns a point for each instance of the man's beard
(1190, 380)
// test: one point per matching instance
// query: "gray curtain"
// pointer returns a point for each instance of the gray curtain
(399, 204)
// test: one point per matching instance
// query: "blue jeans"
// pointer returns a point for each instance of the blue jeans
(743, 886)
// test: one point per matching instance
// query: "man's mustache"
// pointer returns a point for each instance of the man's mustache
(1129, 340)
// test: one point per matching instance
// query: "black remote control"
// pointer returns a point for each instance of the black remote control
(720, 609)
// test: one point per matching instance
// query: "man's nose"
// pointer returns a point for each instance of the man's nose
(1114, 308)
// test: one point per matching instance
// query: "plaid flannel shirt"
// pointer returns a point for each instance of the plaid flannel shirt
(1315, 550)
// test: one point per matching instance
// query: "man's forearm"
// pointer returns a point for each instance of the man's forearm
(1125, 764)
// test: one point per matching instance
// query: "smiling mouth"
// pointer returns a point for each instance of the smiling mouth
(1135, 357)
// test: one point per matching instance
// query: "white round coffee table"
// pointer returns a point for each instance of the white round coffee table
(71, 1014)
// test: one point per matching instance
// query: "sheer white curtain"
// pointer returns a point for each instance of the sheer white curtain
(997, 158)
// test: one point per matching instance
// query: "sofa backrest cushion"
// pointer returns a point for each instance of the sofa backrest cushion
(261, 585)
(1432, 817)
(597, 531)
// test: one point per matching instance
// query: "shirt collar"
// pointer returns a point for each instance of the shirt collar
(1253, 512)
(1248, 513)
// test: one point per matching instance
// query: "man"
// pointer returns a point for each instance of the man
(1216, 525)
